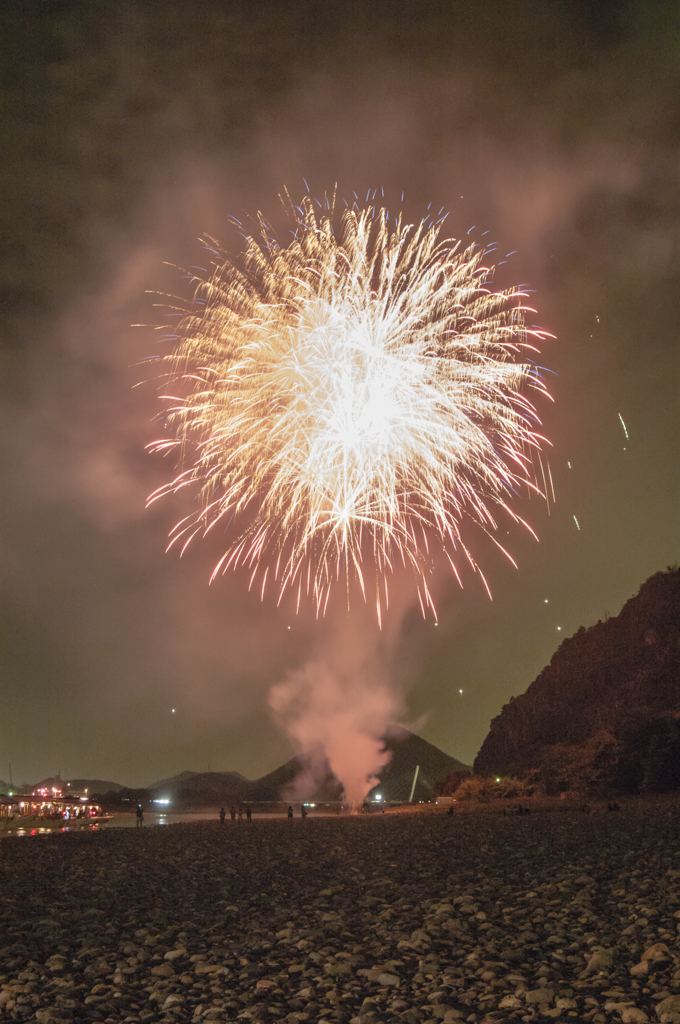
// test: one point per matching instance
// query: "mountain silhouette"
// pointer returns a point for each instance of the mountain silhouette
(605, 713)
(309, 778)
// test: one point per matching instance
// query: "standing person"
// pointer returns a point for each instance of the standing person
(240, 813)
(140, 816)
(290, 812)
(223, 815)
(249, 813)
(303, 811)
(232, 812)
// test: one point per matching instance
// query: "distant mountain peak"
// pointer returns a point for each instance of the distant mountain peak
(309, 777)
(174, 779)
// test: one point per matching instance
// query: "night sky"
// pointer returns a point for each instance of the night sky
(130, 130)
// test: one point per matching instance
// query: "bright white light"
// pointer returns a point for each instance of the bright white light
(173, 710)
(460, 691)
(164, 801)
(624, 426)
(378, 796)
(355, 390)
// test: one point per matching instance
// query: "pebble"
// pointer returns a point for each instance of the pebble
(406, 918)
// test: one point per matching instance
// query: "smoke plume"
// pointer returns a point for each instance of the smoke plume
(338, 706)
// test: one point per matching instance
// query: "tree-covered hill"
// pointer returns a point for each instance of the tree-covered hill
(605, 713)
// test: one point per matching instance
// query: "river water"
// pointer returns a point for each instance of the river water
(151, 818)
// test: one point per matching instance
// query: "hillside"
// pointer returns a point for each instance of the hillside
(408, 752)
(605, 713)
(173, 781)
(302, 779)
(296, 779)
(204, 788)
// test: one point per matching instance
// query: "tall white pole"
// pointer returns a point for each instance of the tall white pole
(415, 779)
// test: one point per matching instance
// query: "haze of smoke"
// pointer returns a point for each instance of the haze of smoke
(314, 775)
(584, 190)
(341, 714)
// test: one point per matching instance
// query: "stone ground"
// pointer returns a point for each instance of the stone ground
(414, 918)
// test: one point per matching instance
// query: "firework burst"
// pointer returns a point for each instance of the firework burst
(346, 402)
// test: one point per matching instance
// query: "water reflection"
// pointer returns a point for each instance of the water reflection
(158, 818)
(129, 820)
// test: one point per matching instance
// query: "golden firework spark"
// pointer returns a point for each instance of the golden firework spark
(347, 400)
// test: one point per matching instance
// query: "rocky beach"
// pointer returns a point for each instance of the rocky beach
(398, 917)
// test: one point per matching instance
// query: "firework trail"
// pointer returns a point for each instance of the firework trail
(345, 402)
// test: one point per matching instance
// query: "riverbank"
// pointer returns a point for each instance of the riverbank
(409, 918)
